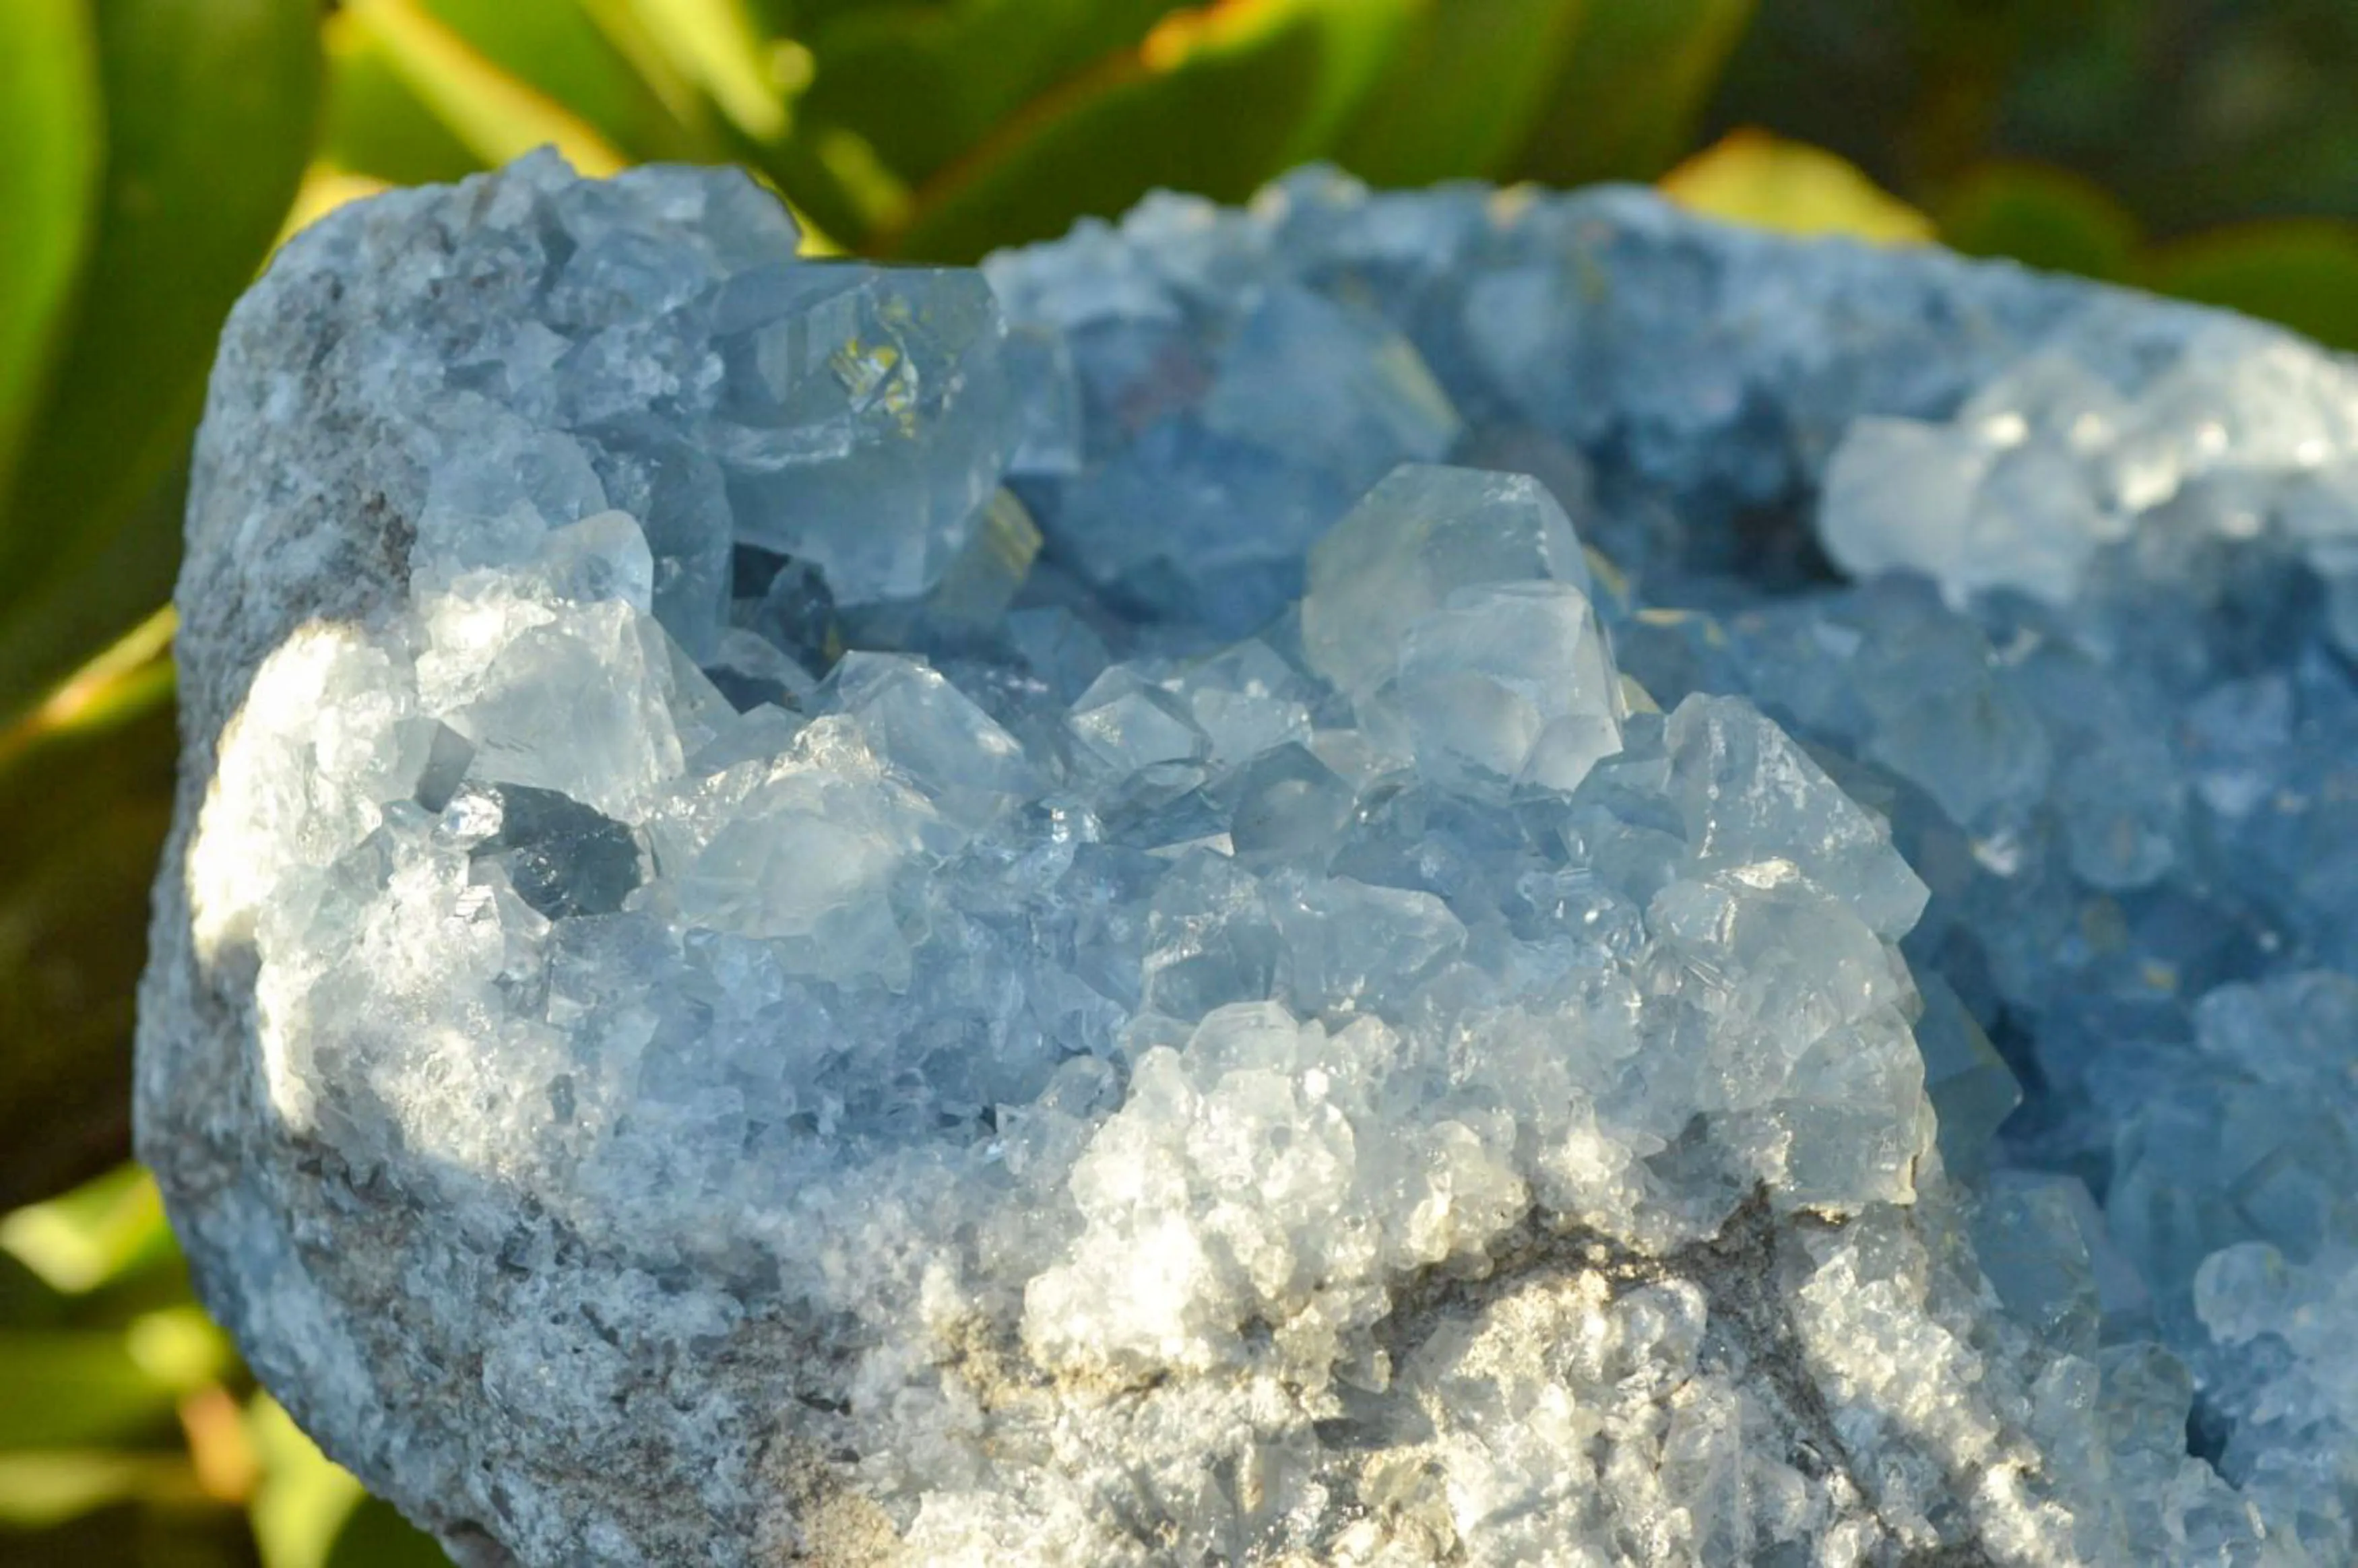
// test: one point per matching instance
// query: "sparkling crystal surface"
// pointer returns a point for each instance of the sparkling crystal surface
(1380, 881)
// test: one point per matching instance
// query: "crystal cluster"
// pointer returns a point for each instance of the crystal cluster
(1451, 877)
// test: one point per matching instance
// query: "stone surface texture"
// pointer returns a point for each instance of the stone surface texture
(1458, 878)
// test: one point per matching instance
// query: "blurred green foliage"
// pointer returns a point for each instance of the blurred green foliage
(2190, 113)
(151, 151)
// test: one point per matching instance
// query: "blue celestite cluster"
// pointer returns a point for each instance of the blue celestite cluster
(1458, 878)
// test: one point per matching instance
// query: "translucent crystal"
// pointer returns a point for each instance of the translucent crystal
(864, 420)
(1747, 796)
(491, 506)
(1288, 803)
(1135, 729)
(1510, 684)
(1382, 408)
(675, 491)
(1415, 539)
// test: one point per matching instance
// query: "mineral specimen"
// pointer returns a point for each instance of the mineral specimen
(1458, 878)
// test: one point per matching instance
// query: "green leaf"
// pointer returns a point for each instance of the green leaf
(376, 1536)
(113, 582)
(1636, 80)
(2041, 216)
(98, 1233)
(1216, 101)
(25, 1299)
(182, 1349)
(836, 185)
(496, 115)
(210, 106)
(1751, 176)
(39, 1490)
(75, 865)
(718, 45)
(51, 143)
(1466, 91)
(2300, 272)
(556, 49)
(923, 84)
(305, 1502)
(374, 123)
(69, 1388)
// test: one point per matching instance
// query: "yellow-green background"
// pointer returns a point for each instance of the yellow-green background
(153, 151)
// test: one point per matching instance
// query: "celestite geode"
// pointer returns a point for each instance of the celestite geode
(1463, 878)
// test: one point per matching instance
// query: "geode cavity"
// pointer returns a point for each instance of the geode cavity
(1326, 885)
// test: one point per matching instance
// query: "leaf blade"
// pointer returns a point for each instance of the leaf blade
(2301, 272)
(906, 78)
(2041, 216)
(75, 865)
(495, 115)
(558, 48)
(51, 148)
(74, 1387)
(718, 45)
(1216, 101)
(372, 124)
(210, 109)
(1751, 176)
(1635, 79)
(1466, 92)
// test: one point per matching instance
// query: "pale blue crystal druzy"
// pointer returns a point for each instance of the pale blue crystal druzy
(1288, 830)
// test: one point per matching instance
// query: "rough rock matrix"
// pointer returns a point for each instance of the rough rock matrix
(1449, 879)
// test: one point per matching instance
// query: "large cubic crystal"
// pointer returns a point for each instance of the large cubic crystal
(1436, 878)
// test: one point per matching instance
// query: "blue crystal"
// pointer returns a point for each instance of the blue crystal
(1601, 880)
